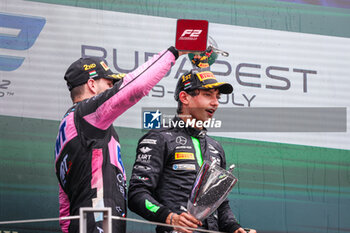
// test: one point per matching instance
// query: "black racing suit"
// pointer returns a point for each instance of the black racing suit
(165, 169)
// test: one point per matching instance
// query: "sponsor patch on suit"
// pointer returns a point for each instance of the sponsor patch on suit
(184, 155)
(188, 167)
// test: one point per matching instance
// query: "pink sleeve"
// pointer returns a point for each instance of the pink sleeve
(135, 85)
(64, 210)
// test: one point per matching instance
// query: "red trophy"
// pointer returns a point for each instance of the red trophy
(191, 35)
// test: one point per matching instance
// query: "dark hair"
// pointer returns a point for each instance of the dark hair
(179, 103)
(76, 92)
(79, 90)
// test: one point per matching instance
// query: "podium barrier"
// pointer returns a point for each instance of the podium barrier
(107, 220)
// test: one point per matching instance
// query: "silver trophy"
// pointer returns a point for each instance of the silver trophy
(208, 57)
(210, 189)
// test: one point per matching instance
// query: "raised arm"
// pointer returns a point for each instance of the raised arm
(134, 86)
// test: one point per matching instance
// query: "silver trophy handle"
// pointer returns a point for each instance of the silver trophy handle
(221, 52)
(214, 46)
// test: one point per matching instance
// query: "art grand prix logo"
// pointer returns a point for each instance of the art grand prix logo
(17, 32)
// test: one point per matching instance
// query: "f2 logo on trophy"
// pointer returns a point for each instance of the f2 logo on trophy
(191, 35)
